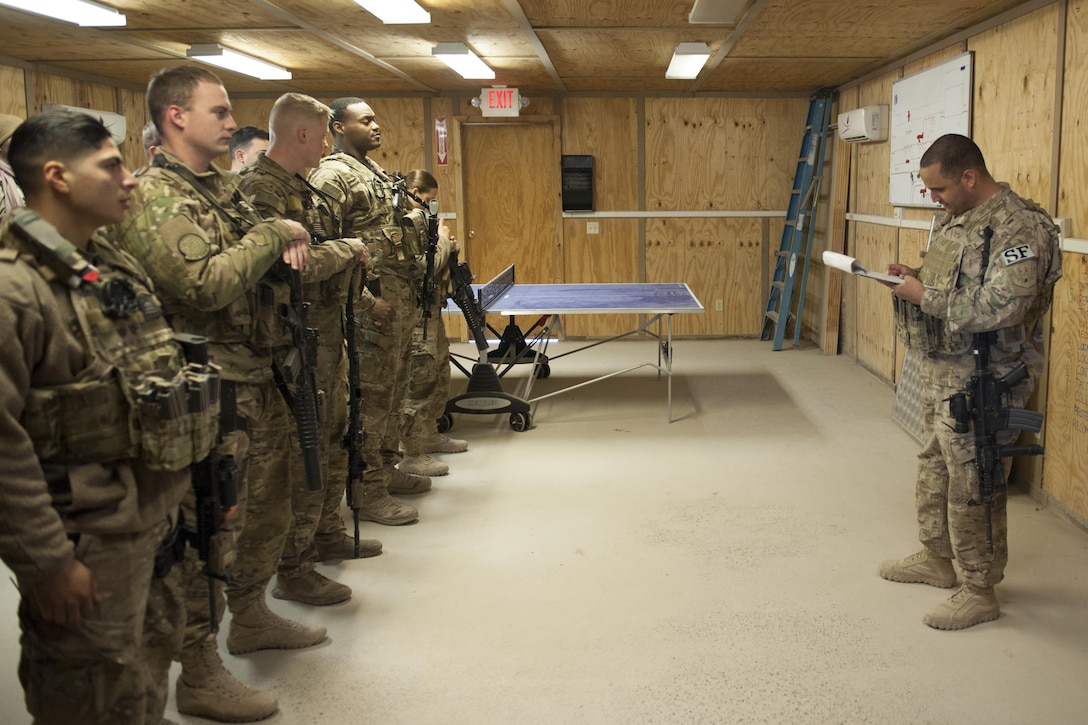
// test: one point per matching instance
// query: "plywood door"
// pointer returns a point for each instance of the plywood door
(512, 205)
(512, 202)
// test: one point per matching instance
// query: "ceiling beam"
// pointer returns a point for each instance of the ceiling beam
(340, 42)
(526, 27)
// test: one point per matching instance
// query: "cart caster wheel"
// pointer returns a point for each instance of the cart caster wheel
(544, 371)
(445, 422)
(520, 422)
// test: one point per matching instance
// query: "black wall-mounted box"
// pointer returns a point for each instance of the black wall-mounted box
(577, 182)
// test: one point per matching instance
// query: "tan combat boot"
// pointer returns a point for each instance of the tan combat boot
(404, 483)
(925, 567)
(969, 606)
(206, 688)
(423, 465)
(378, 506)
(257, 627)
(344, 548)
(439, 443)
(311, 587)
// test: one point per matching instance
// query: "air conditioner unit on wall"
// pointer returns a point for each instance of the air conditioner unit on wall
(864, 124)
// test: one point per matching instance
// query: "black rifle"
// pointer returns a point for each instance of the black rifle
(461, 279)
(356, 434)
(215, 485)
(981, 409)
(428, 274)
(298, 369)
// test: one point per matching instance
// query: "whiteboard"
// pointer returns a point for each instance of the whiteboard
(926, 106)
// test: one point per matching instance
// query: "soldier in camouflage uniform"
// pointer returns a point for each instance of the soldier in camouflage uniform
(957, 292)
(207, 250)
(429, 378)
(88, 500)
(373, 210)
(276, 187)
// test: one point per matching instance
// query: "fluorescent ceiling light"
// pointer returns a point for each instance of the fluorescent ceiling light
(717, 12)
(462, 60)
(396, 12)
(217, 55)
(80, 12)
(687, 61)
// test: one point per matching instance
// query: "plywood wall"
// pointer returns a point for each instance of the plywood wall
(1065, 465)
(607, 129)
(12, 91)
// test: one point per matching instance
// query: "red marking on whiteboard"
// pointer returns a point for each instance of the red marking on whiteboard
(908, 116)
(919, 137)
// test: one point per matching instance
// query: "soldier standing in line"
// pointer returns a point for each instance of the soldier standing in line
(429, 378)
(277, 188)
(89, 504)
(373, 210)
(246, 146)
(207, 250)
(990, 270)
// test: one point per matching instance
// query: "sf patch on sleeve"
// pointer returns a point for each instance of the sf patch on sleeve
(1017, 254)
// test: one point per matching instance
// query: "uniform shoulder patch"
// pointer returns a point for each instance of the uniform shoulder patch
(1020, 253)
(193, 247)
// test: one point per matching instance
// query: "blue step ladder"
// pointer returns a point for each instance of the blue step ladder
(792, 257)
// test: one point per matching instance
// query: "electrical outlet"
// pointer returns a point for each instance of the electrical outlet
(593, 227)
(717, 305)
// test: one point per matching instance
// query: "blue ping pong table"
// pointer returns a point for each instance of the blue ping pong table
(658, 301)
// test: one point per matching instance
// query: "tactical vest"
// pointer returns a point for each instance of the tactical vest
(924, 332)
(252, 318)
(138, 398)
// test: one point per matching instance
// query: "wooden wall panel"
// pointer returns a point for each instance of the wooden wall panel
(1065, 466)
(610, 256)
(721, 153)
(875, 320)
(12, 91)
(134, 109)
(718, 259)
(607, 129)
(1014, 100)
(873, 160)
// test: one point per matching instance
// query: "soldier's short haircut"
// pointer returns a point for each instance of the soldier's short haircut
(243, 137)
(295, 107)
(339, 106)
(52, 136)
(150, 136)
(955, 154)
(174, 87)
(420, 179)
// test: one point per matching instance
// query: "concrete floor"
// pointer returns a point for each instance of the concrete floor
(607, 567)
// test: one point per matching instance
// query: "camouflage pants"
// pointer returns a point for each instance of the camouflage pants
(263, 517)
(428, 385)
(109, 668)
(948, 480)
(308, 507)
(384, 363)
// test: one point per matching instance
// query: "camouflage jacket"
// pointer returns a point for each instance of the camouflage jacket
(1023, 264)
(205, 257)
(47, 346)
(278, 194)
(371, 209)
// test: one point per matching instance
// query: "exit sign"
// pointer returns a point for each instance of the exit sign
(500, 101)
